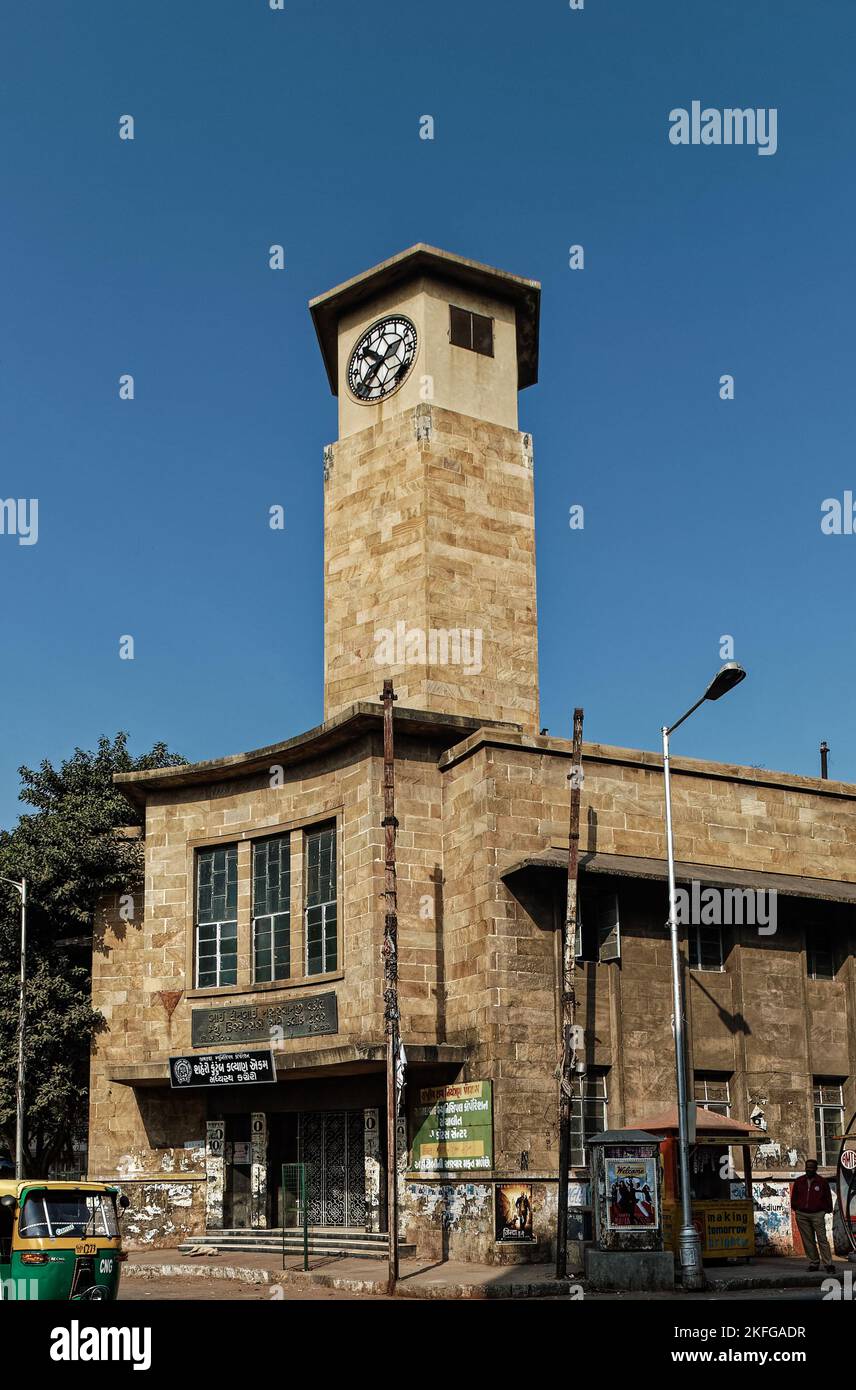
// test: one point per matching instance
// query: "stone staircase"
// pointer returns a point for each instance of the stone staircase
(334, 1242)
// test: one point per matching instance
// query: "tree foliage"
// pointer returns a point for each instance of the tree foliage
(70, 855)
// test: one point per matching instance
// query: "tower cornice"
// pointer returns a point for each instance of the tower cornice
(422, 260)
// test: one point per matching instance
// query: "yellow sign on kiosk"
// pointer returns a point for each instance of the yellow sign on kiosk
(727, 1229)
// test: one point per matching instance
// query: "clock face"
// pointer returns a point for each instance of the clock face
(382, 359)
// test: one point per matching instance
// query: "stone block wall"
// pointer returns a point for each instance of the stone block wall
(761, 1020)
(429, 527)
(142, 980)
(479, 963)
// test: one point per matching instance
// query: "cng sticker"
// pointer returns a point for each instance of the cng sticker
(105, 1267)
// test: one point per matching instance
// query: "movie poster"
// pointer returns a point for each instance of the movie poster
(514, 1211)
(631, 1185)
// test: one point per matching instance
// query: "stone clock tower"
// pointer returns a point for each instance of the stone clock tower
(429, 528)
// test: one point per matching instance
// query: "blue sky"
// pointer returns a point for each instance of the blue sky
(300, 127)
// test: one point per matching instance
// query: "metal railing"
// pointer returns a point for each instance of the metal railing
(295, 1215)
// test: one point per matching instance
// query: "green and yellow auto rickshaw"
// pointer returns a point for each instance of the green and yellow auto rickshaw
(60, 1240)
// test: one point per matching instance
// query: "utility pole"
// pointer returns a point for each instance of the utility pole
(19, 1088)
(391, 1016)
(569, 1001)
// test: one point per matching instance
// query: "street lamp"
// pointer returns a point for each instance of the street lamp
(726, 678)
(19, 1089)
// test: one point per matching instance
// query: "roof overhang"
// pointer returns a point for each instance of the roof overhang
(525, 295)
(345, 1059)
(342, 729)
(713, 875)
(709, 1124)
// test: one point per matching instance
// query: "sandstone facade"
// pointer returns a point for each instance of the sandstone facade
(479, 955)
(428, 530)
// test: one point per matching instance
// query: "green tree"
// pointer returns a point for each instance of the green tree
(70, 855)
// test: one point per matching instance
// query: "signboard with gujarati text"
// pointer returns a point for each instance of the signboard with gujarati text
(453, 1128)
(222, 1069)
(270, 1023)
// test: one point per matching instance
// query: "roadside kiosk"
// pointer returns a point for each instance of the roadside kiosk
(626, 1190)
(626, 1182)
(725, 1224)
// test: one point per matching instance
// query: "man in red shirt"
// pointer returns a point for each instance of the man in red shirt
(811, 1199)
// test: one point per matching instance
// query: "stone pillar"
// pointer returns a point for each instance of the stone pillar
(371, 1120)
(215, 1173)
(258, 1169)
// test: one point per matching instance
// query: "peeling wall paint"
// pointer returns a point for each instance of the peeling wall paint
(449, 1204)
(774, 1233)
(162, 1213)
(452, 1220)
(215, 1174)
(258, 1169)
(164, 1210)
(456, 1220)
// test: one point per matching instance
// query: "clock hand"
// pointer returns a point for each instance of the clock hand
(363, 387)
(366, 384)
(380, 361)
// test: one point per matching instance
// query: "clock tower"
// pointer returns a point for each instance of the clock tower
(429, 526)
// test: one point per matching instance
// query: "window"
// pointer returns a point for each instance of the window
(598, 930)
(271, 909)
(68, 1215)
(320, 912)
(588, 1115)
(217, 917)
(820, 955)
(473, 331)
(712, 1091)
(828, 1119)
(705, 948)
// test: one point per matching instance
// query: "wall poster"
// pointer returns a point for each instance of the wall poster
(514, 1212)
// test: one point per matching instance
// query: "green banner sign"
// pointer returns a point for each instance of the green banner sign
(453, 1128)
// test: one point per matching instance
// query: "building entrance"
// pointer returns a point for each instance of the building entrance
(332, 1145)
(237, 1185)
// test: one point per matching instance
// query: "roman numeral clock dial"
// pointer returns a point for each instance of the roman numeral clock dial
(382, 359)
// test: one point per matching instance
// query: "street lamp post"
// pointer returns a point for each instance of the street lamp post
(689, 1242)
(19, 1089)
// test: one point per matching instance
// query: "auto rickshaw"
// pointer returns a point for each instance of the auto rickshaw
(60, 1241)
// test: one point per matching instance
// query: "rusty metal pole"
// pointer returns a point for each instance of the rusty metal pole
(569, 1001)
(389, 954)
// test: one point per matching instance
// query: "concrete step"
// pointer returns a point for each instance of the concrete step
(328, 1252)
(314, 1232)
(293, 1238)
(332, 1243)
(267, 1246)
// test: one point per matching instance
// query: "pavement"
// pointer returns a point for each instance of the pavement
(449, 1279)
